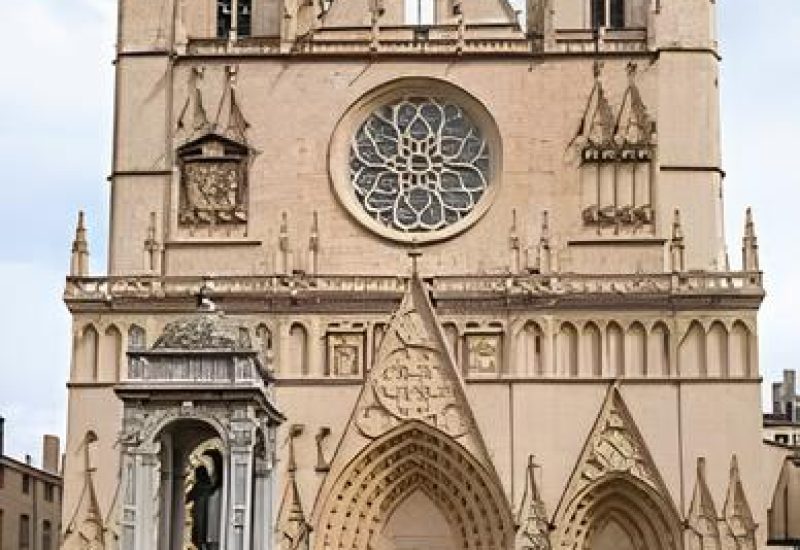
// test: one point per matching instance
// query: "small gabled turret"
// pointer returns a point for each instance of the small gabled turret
(79, 263)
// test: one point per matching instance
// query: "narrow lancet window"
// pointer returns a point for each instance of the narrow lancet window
(224, 18)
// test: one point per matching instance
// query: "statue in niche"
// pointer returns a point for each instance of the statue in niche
(203, 501)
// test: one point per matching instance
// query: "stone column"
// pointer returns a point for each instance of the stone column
(240, 494)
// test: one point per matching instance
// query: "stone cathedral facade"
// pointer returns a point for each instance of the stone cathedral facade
(416, 275)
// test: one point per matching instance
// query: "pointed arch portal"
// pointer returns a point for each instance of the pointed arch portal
(622, 513)
(415, 461)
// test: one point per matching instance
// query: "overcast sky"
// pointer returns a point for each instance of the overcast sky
(55, 136)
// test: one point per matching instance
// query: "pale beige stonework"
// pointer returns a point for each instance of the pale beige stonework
(583, 314)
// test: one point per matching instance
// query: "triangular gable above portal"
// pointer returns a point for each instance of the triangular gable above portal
(702, 519)
(737, 515)
(614, 446)
(596, 132)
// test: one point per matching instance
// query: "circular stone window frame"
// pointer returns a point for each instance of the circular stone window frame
(349, 124)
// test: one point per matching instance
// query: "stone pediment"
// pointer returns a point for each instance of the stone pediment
(203, 333)
(213, 144)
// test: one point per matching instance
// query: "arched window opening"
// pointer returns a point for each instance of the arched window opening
(192, 457)
(692, 352)
(86, 368)
(298, 350)
(717, 362)
(568, 350)
(615, 346)
(530, 356)
(593, 350)
(137, 338)
(111, 355)
(740, 351)
(658, 350)
(637, 350)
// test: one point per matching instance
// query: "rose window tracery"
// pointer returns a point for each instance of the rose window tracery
(419, 164)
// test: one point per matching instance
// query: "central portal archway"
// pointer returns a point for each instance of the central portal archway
(376, 502)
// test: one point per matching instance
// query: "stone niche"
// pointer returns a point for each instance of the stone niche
(213, 183)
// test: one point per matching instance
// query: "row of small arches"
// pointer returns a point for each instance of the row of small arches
(570, 349)
(99, 352)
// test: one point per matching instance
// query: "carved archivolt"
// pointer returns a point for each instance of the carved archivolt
(414, 457)
(617, 481)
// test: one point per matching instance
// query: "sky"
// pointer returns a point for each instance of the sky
(56, 96)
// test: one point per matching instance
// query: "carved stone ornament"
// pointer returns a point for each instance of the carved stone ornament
(345, 354)
(213, 187)
(534, 529)
(484, 354)
(206, 332)
(413, 378)
(740, 527)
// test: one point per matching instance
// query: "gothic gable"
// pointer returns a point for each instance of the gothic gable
(616, 472)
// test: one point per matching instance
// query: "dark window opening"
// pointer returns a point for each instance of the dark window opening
(244, 18)
(608, 13)
(49, 492)
(26, 483)
(224, 18)
(598, 13)
(2, 476)
(783, 439)
(24, 531)
(47, 535)
(617, 14)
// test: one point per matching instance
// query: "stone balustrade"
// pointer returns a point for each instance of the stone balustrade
(108, 289)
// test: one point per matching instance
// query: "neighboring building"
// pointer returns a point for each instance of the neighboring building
(782, 425)
(566, 359)
(30, 499)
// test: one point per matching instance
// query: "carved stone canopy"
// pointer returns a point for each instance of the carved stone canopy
(203, 333)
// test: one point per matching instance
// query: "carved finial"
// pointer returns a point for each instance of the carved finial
(750, 244)
(313, 244)
(152, 246)
(295, 431)
(514, 242)
(545, 256)
(322, 464)
(677, 248)
(597, 69)
(534, 529)
(631, 70)
(79, 264)
(415, 254)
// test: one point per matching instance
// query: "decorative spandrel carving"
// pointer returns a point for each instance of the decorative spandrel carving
(484, 354)
(213, 186)
(617, 448)
(413, 378)
(345, 354)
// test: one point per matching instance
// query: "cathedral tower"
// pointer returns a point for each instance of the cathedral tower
(401, 274)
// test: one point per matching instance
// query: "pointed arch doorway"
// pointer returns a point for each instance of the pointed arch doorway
(417, 524)
(415, 488)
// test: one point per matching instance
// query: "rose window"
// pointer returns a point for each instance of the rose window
(419, 164)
